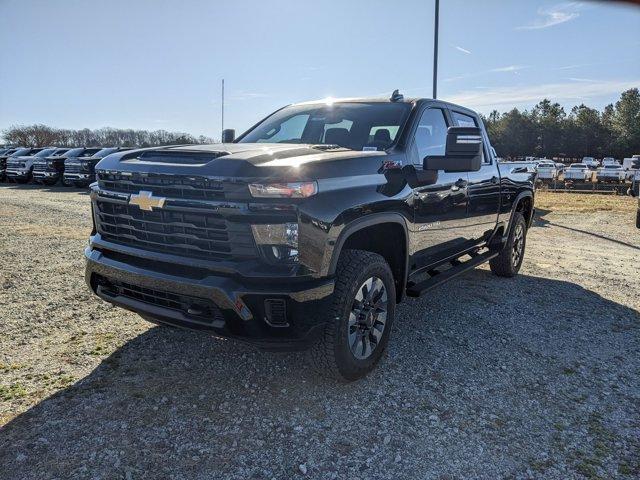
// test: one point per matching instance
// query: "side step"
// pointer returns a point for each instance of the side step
(457, 268)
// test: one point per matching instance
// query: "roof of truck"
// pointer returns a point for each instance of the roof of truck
(378, 99)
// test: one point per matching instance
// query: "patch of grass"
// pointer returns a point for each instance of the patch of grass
(8, 367)
(540, 465)
(103, 345)
(588, 469)
(583, 202)
(12, 392)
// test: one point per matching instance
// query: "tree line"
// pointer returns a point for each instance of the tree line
(548, 131)
(544, 131)
(43, 135)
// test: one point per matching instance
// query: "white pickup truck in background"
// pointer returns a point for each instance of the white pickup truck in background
(611, 173)
(547, 169)
(590, 162)
(577, 171)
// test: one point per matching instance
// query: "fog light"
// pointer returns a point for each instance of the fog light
(276, 234)
(278, 242)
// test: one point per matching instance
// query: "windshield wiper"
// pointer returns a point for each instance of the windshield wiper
(328, 146)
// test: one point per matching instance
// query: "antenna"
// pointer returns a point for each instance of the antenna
(435, 52)
(222, 112)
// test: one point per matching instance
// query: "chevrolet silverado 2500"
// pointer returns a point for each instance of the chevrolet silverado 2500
(307, 230)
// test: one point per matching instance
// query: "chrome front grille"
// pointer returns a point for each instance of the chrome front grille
(39, 167)
(73, 167)
(203, 235)
(172, 186)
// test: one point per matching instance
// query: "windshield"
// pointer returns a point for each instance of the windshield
(357, 126)
(59, 152)
(74, 152)
(19, 152)
(45, 153)
(104, 152)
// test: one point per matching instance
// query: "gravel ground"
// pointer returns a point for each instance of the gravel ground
(533, 377)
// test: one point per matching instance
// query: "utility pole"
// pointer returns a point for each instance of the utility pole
(435, 52)
(222, 111)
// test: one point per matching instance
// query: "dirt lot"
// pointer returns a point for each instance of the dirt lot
(534, 377)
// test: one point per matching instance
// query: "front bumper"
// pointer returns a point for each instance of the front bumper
(84, 178)
(242, 303)
(46, 176)
(17, 173)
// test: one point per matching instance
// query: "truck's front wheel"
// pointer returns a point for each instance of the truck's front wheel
(360, 317)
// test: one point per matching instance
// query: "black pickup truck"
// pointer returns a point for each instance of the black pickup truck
(307, 230)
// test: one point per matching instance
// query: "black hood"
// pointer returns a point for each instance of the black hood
(231, 159)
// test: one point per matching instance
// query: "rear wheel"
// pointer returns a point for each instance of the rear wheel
(360, 317)
(508, 263)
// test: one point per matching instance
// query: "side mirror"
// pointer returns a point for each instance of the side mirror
(463, 152)
(228, 135)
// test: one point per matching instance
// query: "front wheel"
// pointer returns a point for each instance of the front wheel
(508, 263)
(360, 317)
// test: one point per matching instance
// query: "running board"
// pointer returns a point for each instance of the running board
(440, 277)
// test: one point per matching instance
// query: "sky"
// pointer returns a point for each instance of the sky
(158, 64)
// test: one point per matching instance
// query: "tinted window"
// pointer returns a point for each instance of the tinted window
(431, 135)
(45, 153)
(74, 152)
(289, 131)
(19, 152)
(105, 151)
(346, 124)
(462, 120)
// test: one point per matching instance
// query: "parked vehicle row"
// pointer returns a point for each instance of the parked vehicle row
(49, 165)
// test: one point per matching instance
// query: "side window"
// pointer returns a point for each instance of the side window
(462, 120)
(431, 135)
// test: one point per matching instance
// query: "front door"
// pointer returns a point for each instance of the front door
(483, 188)
(440, 207)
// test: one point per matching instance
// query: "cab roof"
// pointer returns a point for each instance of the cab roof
(411, 100)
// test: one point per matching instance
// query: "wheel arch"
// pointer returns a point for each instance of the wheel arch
(359, 234)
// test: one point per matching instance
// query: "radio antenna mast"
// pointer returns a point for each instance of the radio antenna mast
(222, 111)
(435, 52)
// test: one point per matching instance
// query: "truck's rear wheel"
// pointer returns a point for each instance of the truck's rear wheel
(360, 317)
(508, 263)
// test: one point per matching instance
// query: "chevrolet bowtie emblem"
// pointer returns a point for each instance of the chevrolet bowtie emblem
(146, 201)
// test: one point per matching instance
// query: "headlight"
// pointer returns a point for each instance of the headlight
(283, 190)
(278, 242)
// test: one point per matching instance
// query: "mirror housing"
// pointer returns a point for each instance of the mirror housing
(463, 152)
(228, 135)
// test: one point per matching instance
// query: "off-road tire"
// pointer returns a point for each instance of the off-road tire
(331, 355)
(503, 265)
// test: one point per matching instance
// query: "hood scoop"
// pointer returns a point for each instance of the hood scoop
(176, 157)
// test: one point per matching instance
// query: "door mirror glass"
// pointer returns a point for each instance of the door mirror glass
(463, 152)
(228, 135)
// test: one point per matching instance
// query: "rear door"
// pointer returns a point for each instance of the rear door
(483, 189)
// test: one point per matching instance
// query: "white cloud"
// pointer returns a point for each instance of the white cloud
(509, 68)
(463, 50)
(506, 69)
(587, 80)
(555, 15)
(529, 95)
